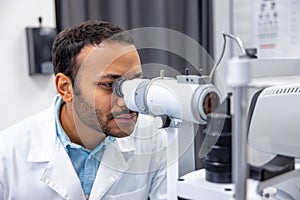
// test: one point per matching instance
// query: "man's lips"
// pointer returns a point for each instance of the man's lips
(122, 114)
(126, 116)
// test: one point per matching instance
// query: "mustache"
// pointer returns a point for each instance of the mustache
(123, 111)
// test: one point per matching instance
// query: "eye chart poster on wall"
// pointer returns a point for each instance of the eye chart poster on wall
(277, 28)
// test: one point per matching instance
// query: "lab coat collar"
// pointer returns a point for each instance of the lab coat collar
(46, 147)
(44, 136)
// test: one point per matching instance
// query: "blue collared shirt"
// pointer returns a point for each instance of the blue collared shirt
(85, 162)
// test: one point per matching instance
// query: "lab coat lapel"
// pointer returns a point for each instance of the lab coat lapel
(60, 175)
(113, 165)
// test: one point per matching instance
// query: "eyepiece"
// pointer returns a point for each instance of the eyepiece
(116, 87)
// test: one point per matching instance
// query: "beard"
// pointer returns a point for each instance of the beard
(96, 119)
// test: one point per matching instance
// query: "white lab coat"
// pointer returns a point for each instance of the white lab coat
(35, 166)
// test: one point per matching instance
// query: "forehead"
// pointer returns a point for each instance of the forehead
(108, 57)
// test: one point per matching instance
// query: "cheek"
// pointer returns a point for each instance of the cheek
(103, 102)
(88, 93)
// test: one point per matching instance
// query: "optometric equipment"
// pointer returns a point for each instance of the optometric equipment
(194, 99)
(186, 98)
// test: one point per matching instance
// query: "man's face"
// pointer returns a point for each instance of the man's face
(94, 103)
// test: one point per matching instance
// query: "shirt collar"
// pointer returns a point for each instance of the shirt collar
(65, 140)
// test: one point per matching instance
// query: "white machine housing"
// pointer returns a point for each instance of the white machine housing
(167, 96)
(274, 126)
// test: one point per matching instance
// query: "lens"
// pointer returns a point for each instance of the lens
(210, 103)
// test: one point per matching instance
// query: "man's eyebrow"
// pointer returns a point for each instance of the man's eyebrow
(110, 76)
(115, 76)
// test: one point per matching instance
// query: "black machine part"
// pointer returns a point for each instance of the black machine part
(218, 162)
(278, 165)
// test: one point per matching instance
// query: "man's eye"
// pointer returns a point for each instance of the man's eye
(105, 85)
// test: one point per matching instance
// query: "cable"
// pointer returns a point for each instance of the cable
(238, 41)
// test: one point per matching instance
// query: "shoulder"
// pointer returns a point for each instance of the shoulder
(27, 123)
(22, 130)
(31, 123)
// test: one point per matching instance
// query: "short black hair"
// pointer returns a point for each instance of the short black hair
(69, 42)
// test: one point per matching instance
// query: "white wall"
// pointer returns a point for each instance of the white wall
(244, 22)
(221, 20)
(21, 94)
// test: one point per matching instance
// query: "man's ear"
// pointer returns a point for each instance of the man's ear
(64, 87)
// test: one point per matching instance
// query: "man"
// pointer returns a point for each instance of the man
(88, 144)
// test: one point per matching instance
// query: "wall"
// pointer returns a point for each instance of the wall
(22, 95)
(243, 20)
(221, 15)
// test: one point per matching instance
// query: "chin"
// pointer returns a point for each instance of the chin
(121, 129)
(123, 132)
